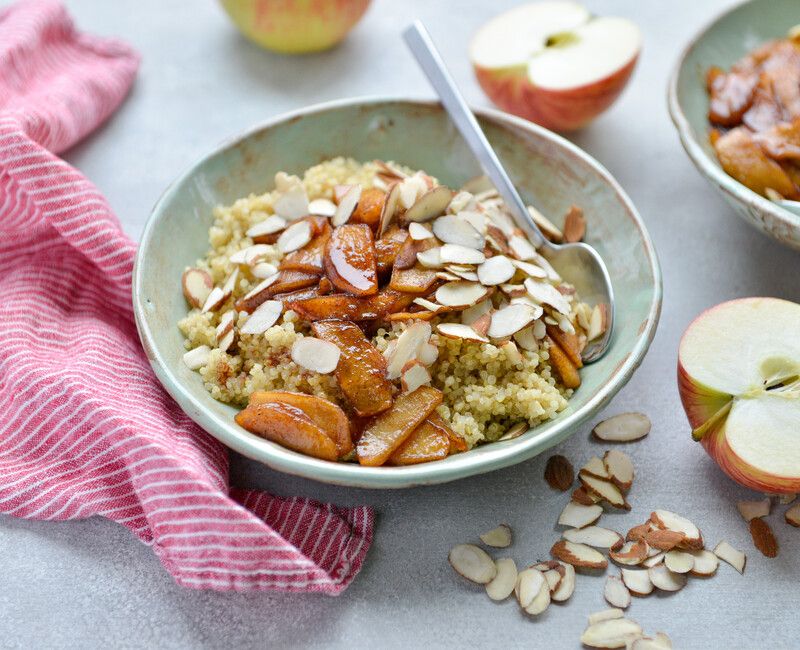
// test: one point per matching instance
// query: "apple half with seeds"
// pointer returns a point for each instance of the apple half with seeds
(739, 381)
(554, 63)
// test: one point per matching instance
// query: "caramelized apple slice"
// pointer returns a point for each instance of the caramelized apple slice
(391, 429)
(387, 248)
(351, 308)
(294, 296)
(568, 342)
(456, 442)
(369, 208)
(416, 280)
(350, 261)
(407, 256)
(285, 282)
(361, 372)
(562, 365)
(308, 258)
(326, 415)
(427, 442)
(288, 426)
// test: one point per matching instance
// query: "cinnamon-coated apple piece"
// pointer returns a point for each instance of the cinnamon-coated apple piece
(288, 426)
(350, 260)
(562, 365)
(391, 429)
(352, 308)
(361, 371)
(387, 248)
(325, 414)
(285, 282)
(369, 208)
(568, 342)
(308, 258)
(417, 280)
(426, 443)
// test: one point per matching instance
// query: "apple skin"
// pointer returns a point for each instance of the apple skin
(295, 26)
(567, 109)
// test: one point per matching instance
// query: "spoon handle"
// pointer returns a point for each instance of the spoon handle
(419, 42)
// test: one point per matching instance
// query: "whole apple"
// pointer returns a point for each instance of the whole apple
(295, 26)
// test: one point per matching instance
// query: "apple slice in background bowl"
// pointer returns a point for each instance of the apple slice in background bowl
(554, 63)
(739, 381)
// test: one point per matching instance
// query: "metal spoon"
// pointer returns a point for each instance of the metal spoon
(579, 263)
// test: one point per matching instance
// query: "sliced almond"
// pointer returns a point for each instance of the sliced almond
(659, 642)
(264, 317)
(548, 228)
(631, 553)
(515, 290)
(521, 248)
(613, 633)
(666, 580)
(261, 286)
(322, 207)
(598, 322)
(460, 201)
(679, 561)
(515, 431)
(605, 615)
(583, 496)
(460, 294)
(225, 342)
(693, 539)
(225, 325)
(594, 536)
(197, 357)
(752, 509)
(499, 537)
(407, 347)
(732, 556)
(294, 237)
(786, 499)
(792, 516)
(578, 555)
(459, 331)
(389, 208)
(428, 353)
(553, 571)
(616, 593)
(526, 340)
(390, 170)
(637, 581)
(431, 204)
(347, 205)
(413, 375)
(218, 295)
(625, 427)
(496, 270)
(455, 254)
(605, 489)
(197, 284)
(664, 540)
(478, 184)
(567, 584)
(292, 204)
(510, 320)
(269, 226)
(473, 313)
(595, 467)
(473, 563)
(546, 294)
(619, 468)
(577, 515)
(250, 255)
(558, 473)
(460, 273)
(574, 225)
(410, 188)
(653, 560)
(476, 219)
(529, 583)
(639, 532)
(418, 232)
(513, 355)
(705, 563)
(531, 270)
(431, 258)
(501, 586)
(264, 270)
(763, 537)
(540, 602)
(481, 326)
(453, 229)
(315, 354)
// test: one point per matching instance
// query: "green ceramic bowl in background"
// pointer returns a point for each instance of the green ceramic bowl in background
(420, 135)
(722, 43)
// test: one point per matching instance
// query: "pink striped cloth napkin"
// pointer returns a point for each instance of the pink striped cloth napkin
(84, 427)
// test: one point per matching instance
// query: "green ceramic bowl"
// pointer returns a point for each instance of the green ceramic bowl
(722, 43)
(420, 135)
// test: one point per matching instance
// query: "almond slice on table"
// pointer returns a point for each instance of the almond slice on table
(663, 540)
(625, 427)
(264, 317)
(197, 284)
(763, 537)
(548, 228)
(322, 207)
(654, 560)
(605, 615)
(693, 539)
(499, 537)
(294, 237)
(453, 229)
(732, 556)
(567, 585)
(558, 473)
(679, 561)
(460, 294)
(705, 563)
(553, 571)
(407, 347)
(639, 532)
(533, 591)
(752, 509)
(605, 489)
(577, 515)
(584, 497)
(616, 593)
(574, 225)
(594, 536)
(292, 204)
(786, 499)
(637, 581)
(315, 354)
(347, 205)
(502, 585)
(455, 254)
(459, 331)
(659, 642)
(546, 294)
(595, 467)
(619, 468)
(578, 555)
(666, 580)
(269, 226)
(631, 553)
(413, 375)
(792, 516)
(473, 563)
(197, 357)
(611, 633)
(431, 204)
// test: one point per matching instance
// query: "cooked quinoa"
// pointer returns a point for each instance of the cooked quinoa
(484, 391)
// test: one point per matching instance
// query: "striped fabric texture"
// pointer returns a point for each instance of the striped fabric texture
(85, 429)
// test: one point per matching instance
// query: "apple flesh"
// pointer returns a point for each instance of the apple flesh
(739, 382)
(554, 63)
(295, 26)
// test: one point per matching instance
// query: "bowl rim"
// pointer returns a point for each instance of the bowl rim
(496, 456)
(702, 161)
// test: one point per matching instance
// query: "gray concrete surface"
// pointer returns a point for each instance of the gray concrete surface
(89, 584)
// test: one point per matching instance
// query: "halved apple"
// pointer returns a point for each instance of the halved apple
(554, 63)
(739, 381)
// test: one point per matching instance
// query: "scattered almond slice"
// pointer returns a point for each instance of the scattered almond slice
(197, 357)
(455, 254)
(548, 228)
(665, 519)
(666, 580)
(476, 219)
(612, 633)
(763, 537)
(526, 340)
(625, 427)
(496, 270)
(413, 375)
(653, 560)
(679, 561)
(315, 354)
(460, 273)
(264, 317)
(639, 532)
(513, 355)
(347, 205)
(294, 237)
(502, 585)
(584, 497)
(269, 226)
(459, 294)
(530, 583)
(631, 553)
(197, 285)
(514, 290)
(431, 204)
(664, 540)
(792, 516)
(594, 536)
(605, 489)
(453, 229)
(752, 509)
(559, 474)
(786, 499)
(578, 555)
(595, 467)
(546, 294)
(473, 563)
(605, 615)
(705, 563)
(224, 328)
(616, 593)
(577, 515)
(567, 585)
(637, 581)
(619, 468)
(553, 572)
(732, 556)
(460, 201)
(499, 537)
(389, 208)
(428, 353)
(648, 643)
(473, 313)
(459, 331)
